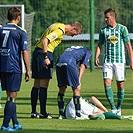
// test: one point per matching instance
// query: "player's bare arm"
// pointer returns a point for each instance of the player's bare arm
(45, 44)
(130, 52)
(82, 69)
(25, 54)
(98, 51)
(96, 102)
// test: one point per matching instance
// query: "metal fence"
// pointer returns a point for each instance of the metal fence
(67, 11)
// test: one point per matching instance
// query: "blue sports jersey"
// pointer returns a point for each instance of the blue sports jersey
(75, 55)
(13, 40)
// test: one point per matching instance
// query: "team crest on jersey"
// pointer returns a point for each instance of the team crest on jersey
(53, 36)
(112, 39)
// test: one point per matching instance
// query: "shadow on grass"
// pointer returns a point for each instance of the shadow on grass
(64, 131)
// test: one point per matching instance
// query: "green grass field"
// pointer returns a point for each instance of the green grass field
(92, 84)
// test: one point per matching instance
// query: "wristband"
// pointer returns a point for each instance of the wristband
(45, 55)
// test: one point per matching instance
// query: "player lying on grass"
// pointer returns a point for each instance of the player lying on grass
(90, 109)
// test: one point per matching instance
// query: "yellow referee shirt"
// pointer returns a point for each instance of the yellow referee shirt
(54, 33)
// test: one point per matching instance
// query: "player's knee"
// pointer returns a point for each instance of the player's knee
(107, 83)
(120, 85)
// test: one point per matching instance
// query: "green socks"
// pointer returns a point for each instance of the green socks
(110, 115)
(120, 95)
(110, 96)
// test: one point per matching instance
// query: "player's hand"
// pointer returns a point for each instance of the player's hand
(46, 62)
(97, 62)
(27, 76)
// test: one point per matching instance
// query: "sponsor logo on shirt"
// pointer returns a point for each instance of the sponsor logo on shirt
(5, 52)
(112, 39)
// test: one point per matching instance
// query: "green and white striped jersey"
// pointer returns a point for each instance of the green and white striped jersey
(114, 39)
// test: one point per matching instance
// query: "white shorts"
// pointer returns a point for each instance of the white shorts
(110, 68)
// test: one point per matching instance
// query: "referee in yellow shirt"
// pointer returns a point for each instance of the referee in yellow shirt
(42, 63)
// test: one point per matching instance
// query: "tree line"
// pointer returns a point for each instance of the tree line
(67, 11)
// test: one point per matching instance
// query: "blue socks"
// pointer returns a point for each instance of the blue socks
(14, 117)
(60, 99)
(76, 100)
(0, 94)
(9, 112)
(0, 91)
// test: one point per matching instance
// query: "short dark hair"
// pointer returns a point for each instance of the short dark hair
(13, 13)
(112, 11)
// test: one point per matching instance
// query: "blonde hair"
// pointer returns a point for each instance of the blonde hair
(77, 26)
